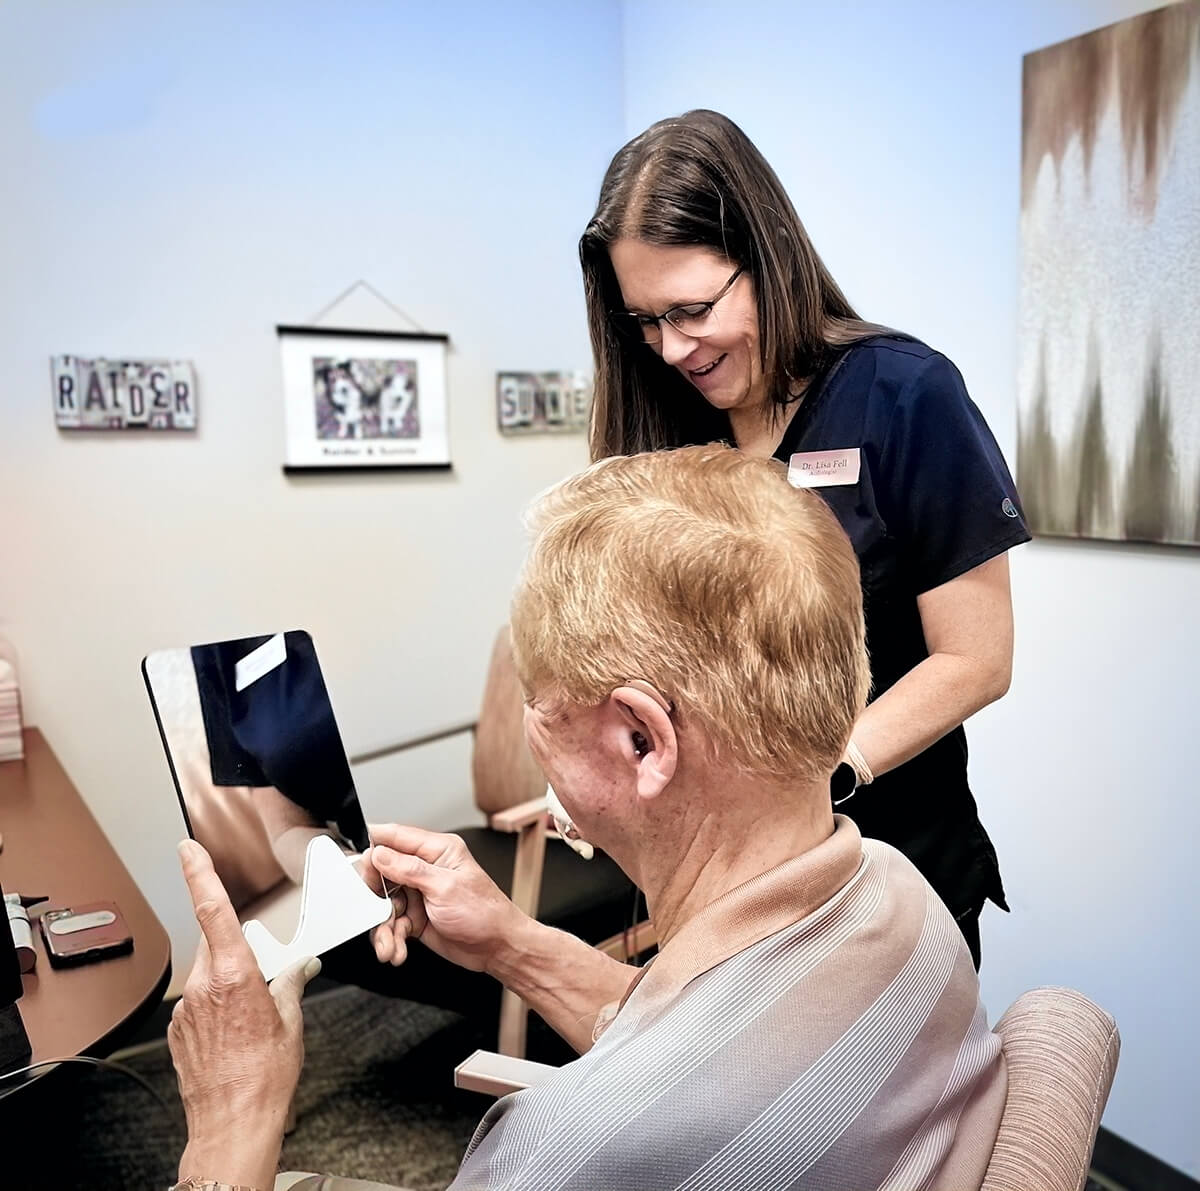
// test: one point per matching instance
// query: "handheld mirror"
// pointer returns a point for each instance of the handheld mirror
(265, 787)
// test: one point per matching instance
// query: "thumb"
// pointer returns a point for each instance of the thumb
(402, 868)
(287, 987)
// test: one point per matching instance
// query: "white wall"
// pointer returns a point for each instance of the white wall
(896, 129)
(176, 180)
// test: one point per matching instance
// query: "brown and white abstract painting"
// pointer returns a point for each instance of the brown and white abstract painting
(1109, 382)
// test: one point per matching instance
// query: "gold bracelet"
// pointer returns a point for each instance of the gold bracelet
(195, 1184)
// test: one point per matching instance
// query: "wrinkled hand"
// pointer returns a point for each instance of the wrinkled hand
(442, 897)
(237, 1044)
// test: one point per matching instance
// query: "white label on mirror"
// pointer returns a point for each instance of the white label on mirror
(260, 661)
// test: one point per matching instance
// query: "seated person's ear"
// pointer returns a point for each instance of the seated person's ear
(648, 739)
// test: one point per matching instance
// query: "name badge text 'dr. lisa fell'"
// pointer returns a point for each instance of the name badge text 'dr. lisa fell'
(824, 469)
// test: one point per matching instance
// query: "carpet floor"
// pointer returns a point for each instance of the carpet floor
(375, 1101)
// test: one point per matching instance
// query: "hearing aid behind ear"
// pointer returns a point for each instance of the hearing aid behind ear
(648, 688)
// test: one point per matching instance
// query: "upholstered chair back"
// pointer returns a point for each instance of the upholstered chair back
(504, 772)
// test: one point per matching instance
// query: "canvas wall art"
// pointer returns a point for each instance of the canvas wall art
(364, 399)
(1109, 381)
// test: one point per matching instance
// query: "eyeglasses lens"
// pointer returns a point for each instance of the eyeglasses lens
(692, 320)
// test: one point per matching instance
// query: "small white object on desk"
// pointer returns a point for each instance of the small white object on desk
(12, 744)
(22, 932)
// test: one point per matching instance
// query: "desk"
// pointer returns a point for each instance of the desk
(53, 845)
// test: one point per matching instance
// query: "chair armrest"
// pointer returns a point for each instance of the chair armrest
(518, 817)
(497, 1075)
(411, 742)
(630, 943)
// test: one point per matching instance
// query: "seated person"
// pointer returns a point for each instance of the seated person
(688, 630)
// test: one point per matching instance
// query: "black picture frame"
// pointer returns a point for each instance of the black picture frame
(364, 400)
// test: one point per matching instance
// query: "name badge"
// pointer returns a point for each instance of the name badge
(824, 469)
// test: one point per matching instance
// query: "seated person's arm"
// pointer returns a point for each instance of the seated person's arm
(289, 827)
(562, 978)
(448, 902)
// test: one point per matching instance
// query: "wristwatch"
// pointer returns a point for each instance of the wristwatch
(195, 1184)
(843, 783)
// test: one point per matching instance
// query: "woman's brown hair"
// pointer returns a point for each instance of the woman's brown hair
(698, 179)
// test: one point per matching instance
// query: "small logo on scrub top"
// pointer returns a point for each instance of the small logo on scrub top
(1009, 509)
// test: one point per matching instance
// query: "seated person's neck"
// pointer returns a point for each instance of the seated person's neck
(718, 852)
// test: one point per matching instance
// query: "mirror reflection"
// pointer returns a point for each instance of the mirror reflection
(258, 763)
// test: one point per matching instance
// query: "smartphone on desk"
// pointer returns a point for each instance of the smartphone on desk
(83, 934)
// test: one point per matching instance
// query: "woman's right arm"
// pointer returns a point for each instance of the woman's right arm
(968, 627)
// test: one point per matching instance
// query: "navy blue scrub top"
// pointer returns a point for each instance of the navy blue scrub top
(934, 498)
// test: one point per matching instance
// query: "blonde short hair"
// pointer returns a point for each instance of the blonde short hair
(702, 571)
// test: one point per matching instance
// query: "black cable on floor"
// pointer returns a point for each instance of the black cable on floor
(91, 1062)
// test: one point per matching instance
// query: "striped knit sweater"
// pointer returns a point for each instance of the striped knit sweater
(818, 1027)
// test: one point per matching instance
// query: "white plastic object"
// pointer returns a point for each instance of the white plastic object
(567, 831)
(336, 904)
(73, 923)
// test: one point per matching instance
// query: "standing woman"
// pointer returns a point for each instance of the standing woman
(713, 318)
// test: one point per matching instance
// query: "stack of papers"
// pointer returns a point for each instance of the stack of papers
(11, 743)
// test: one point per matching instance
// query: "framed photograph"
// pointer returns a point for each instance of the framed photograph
(364, 399)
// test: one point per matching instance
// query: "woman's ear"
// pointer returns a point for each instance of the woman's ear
(648, 739)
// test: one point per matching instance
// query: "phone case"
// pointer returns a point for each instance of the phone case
(83, 934)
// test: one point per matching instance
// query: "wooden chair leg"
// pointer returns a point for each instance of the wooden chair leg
(526, 890)
(527, 867)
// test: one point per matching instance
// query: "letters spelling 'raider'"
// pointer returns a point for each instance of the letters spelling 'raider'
(123, 394)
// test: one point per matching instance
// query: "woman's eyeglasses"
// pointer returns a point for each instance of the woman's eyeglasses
(692, 318)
